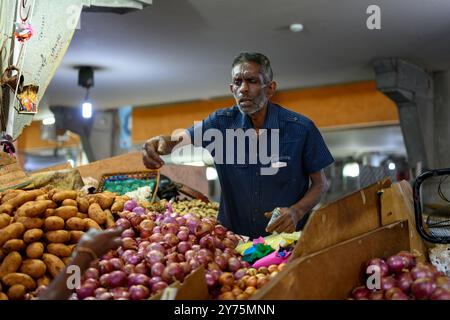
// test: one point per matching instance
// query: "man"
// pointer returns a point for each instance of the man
(248, 191)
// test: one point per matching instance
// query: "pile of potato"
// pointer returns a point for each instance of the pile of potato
(40, 228)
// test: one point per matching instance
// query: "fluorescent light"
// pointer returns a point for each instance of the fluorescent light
(351, 170)
(195, 163)
(72, 163)
(211, 173)
(48, 121)
(391, 166)
(87, 110)
(296, 27)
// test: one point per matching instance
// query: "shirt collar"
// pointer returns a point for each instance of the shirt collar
(271, 122)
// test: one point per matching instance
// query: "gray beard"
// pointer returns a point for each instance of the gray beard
(249, 113)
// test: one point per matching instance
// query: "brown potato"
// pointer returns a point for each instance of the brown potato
(7, 208)
(59, 250)
(35, 268)
(10, 264)
(24, 197)
(2, 255)
(60, 196)
(32, 235)
(54, 223)
(58, 236)
(109, 219)
(9, 194)
(34, 209)
(43, 197)
(17, 292)
(67, 260)
(70, 202)
(75, 224)
(12, 231)
(82, 215)
(66, 212)
(83, 204)
(75, 236)
(5, 219)
(91, 224)
(53, 263)
(3, 296)
(43, 281)
(49, 213)
(31, 223)
(96, 213)
(35, 250)
(14, 245)
(105, 199)
(19, 278)
(117, 206)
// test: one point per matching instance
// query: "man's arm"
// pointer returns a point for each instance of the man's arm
(289, 217)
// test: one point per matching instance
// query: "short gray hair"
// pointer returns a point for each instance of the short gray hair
(258, 58)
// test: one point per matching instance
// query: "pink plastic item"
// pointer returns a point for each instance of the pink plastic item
(275, 257)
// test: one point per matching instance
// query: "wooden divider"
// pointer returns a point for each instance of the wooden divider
(332, 273)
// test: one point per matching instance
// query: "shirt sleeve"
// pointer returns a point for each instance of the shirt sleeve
(316, 155)
(197, 130)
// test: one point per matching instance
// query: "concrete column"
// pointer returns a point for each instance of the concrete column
(442, 118)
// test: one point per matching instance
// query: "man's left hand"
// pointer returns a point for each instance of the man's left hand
(286, 221)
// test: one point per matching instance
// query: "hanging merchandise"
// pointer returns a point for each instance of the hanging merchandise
(23, 31)
(28, 99)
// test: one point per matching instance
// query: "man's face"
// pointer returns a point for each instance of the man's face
(248, 87)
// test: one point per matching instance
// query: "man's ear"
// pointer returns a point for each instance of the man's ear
(271, 88)
(231, 88)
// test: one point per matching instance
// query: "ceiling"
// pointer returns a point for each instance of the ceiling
(177, 50)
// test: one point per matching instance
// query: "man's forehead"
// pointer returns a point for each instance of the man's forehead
(246, 69)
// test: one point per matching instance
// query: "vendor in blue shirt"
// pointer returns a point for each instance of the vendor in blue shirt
(266, 157)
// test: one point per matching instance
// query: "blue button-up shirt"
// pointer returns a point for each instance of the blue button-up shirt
(247, 193)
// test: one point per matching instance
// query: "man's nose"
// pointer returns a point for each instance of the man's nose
(244, 87)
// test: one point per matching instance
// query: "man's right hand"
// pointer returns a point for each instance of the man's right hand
(154, 147)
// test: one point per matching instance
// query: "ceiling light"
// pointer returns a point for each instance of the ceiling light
(351, 170)
(211, 173)
(71, 162)
(296, 27)
(391, 166)
(48, 121)
(87, 110)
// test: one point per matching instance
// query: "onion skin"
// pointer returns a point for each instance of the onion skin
(404, 282)
(360, 292)
(440, 294)
(396, 264)
(384, 268)
(139, 292)
(423, 288)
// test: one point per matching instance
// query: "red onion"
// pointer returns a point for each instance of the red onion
(422, 288)
(141, 268)
(156, 246)
(222, 262)
(193, 239)
(91, 281)
(147, 225)
(404, 281)
(190, 254)
(169, 220)
(443, 282)
(384, 268)
(169, 228)
(85, 291)
(210, 281)
(421, 271)
(138, 278)
(154, 256)
(171, 239)
(139, 211)
(203, 228)
(124, 223)
(228, 243)
(388, 283)
(91, 273)
(128, 233)
(104, 266)
(220, 231)
(213, 266)
(389, 293)
(239, 273)
(245, 264)
(133, 259)
(139, 292)
(196, 247)
(181, 257)
(409, 257)
(399, 296)
(181, 221)
(396, 264)
(172, 257)
(105, 296)
(440, 294)
(117, 279)
(233, 264)
(192, 224)
(360, 292)
(157, 269)
(194, 264)
(183, 247)
(89, 298)
(135, 221)
(218, 243)
(157, 229)
(130, 205)
(183, 235)
(129, 268)
(104, 280)
(99, 291)
(186, 267)
(207, 242)
(173, 272)
(129, 244)
(154, 280)
(159, 286)
(119, 292)
(184, 228)
(376, 295)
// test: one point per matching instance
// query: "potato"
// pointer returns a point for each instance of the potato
(59, 250)
(96, 213)
(58, 236)
(35, 268)
(9, 194)
(26, 196)
(60, 196)
(43, 281)
(83, 204)
(7, 208)
(32, 235)
(75, 224)
(75, 236)
(67, 260)
(10, 264)
(66, 212)
(43, 197)
(53, 263)
(19, 278)
(3, 296)
(12, 231)
(5, 219)
(2, 256)
(70, 202)
(14, 245)
(17, 292)
(31, 223)
(49, 213)
(35, 250)
(54, 223)
(82, 215)
(117, 206)
(109, 219)
(105, 199)
(91, 224)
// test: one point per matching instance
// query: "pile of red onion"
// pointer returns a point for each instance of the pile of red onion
(402, 278)
(157, 250)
